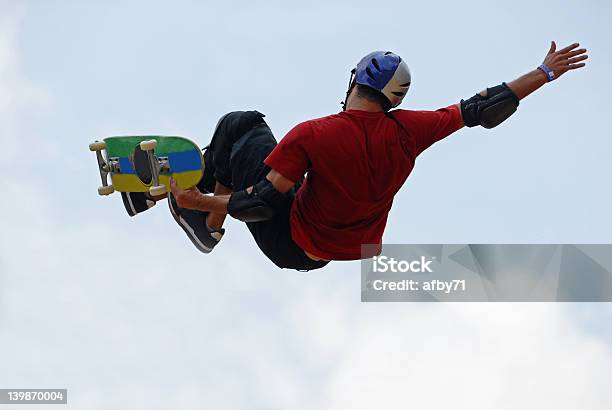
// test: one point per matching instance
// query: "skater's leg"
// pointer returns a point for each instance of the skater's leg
(202, 221)
(215, 220)
(240, 144)
(208, 184)
(217, 157)
(273, 236)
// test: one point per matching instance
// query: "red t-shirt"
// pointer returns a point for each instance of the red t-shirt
(356, 162)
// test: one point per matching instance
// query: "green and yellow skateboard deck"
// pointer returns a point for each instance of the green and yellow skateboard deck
(146, 163)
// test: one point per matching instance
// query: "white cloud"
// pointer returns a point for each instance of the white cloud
(18, 96)
(463, 356)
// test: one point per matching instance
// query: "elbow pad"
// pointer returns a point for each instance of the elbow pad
(490, 111)
(258, 205)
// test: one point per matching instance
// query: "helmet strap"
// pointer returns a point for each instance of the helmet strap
(348, 92)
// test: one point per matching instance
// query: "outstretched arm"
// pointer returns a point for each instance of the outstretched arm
(559, 62)
(494, 105)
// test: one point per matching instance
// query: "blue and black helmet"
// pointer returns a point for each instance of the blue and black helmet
(385, 72)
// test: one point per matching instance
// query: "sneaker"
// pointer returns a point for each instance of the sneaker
(136, 202)
(194, 224)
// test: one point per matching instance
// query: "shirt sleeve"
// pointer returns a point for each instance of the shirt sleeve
(290, 157)
(429, 127)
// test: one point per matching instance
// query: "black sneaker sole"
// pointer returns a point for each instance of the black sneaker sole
(131, 208)
(188, 229)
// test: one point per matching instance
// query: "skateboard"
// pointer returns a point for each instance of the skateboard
(146, 163)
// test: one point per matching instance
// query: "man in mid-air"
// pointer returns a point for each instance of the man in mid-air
(328, 186)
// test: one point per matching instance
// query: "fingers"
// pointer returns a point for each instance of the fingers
(575, 53)
(174, 188)
(575, 66)
(194, 189)
(565, 59)
(568, 48)
(576, 59)
(179, 194)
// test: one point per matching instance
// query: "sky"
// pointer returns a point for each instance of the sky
(126, 314)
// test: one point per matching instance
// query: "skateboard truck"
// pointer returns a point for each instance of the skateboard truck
(154, 166)
(104, 167)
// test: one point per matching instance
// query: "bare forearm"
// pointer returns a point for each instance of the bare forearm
(528, 83)
(194, 199)
(213, 204)
(215, 220)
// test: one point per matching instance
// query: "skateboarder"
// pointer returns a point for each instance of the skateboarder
(328, 186)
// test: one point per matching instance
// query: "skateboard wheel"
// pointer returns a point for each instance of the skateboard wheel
(157, 190)
(97, 146)
(148, 145)
(106, 190)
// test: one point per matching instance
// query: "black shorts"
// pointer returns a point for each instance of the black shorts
(241, 143)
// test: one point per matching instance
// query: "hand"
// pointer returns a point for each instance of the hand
(566, 59)
(186, 198)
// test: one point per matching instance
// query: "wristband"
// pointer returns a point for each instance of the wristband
(549, 73)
